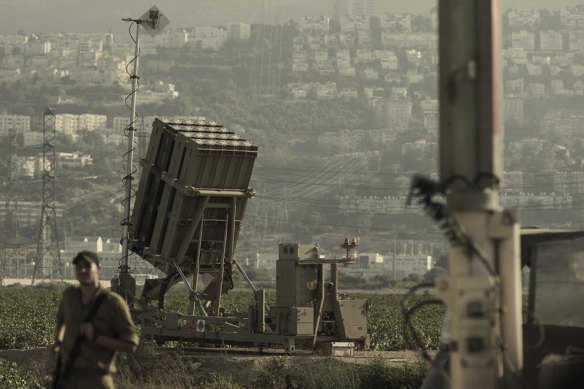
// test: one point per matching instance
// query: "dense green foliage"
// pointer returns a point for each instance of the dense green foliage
(27, 317)
(386, 322)
(334, 374)
(11, 378)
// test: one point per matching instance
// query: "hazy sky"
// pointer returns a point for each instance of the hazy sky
(104, 15)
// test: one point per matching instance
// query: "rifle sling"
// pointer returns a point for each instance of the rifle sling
(79, 341)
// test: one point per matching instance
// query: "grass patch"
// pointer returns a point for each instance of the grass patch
(148, 369)
(12, 378)
(334, 374)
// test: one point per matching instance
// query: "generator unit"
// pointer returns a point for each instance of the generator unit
(309, 306)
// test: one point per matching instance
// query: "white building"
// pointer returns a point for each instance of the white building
(300, 61)
(369, 260)
(67, 124)
(572, 17)
(20, 123)
(540, 201)
(536, 89)
(32, 138)
(73, 160)
(576, 40)
(387, 58)
(238, 31)
(354, 8)
(161, 92)
(421, 146)
(115, 139)
(37, 48)
(406, 264)
(152, 97)
(513, 181)
(515, 87)
(299, 90)
(513, 111)
(120, 123)
(551, 40)
(344, 63)
(26, 167)
(327, 90)
(208, 38)
(171, 38)
(569, 182)
(71, 124)
(431, 112)
(398, 114)
(92, 122)
(523, 17)
(523, 40)
(109, 251)
(29, 213)
(516, 56)
(396, 22)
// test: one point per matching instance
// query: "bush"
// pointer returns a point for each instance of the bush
(219, 382)
(11, 378)
(333, 374)
(385, 280)
(379, 375)
(272, 373)
(325, 374)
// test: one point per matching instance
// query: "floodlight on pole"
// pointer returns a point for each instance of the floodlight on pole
(152, 21)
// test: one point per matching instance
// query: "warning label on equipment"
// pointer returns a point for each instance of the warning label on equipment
(196, 327)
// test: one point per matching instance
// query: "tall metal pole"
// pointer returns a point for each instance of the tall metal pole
(483, 290)
(152, 21)
(124, 268)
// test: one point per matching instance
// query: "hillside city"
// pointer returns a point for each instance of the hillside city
(344, 110)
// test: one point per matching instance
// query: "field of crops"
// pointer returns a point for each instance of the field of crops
(27, 317)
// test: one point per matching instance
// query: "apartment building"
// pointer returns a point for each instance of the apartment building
(19, 123)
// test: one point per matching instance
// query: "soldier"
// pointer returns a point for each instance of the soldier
(92, 325)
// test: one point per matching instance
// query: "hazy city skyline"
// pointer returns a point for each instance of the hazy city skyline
(87, 16)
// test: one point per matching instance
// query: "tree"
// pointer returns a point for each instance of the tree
(385, 279)
(413, 277)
